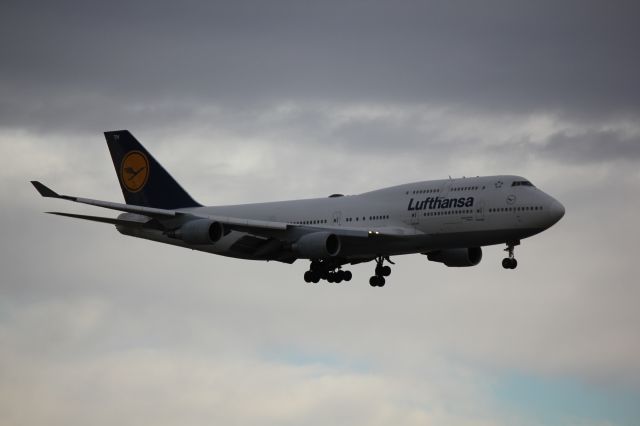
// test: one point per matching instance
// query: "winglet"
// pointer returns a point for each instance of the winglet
(44, 190)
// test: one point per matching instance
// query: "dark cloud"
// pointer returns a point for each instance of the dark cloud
(592, 147)
(584, 147)
(67, 59)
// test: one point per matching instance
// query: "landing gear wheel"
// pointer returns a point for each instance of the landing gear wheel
(509, 263)
(328, 270)
(381, 271)
(376, 281)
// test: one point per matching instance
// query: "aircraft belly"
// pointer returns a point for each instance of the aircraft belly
(246, 246)
(436, 241)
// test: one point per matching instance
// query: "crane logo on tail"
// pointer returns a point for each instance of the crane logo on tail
(134, 171)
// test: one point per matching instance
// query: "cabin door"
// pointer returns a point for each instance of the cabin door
(337, 218)
(479, 210)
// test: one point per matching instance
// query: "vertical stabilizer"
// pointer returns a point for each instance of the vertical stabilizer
(143, 180)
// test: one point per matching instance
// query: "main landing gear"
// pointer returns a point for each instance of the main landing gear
(510, 262)
(324, 270)
(331, 271)
(381, 271)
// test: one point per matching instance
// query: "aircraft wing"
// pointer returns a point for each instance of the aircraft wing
(159, 214)
(129, 208)
(252, 226)
(151, 224)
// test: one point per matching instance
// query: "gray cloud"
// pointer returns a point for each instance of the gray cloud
(87, 312)
(249, 101)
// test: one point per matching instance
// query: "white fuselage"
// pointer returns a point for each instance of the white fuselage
(424, 216)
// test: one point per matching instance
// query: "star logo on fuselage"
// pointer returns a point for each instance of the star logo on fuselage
(134, 171)
(499, 184)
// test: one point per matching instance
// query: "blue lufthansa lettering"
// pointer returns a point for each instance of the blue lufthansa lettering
(411, 207)
(440, 203)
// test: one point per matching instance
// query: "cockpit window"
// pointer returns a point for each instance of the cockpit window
(521, 183)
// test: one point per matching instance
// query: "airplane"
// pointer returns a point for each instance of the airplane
(448, 220)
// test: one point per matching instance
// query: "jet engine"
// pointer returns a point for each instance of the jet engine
(317, 245)
(200, 231)
(457, 257)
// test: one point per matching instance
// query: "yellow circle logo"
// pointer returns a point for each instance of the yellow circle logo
(134, 171)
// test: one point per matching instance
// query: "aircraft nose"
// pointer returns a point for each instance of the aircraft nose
(556, 211)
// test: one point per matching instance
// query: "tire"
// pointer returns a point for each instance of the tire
(514, 264)
(348, 275)
(373, 281)
(506, 263)
(386, 271)
(308, 276)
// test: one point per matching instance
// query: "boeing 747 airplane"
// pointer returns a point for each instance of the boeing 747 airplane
(447, 220)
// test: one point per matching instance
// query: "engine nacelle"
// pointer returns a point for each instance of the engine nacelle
(200, 231)
(317, 245)
(457, 257)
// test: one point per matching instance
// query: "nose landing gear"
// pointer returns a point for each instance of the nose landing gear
(510, 262)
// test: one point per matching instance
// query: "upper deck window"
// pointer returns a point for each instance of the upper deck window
(521, 183)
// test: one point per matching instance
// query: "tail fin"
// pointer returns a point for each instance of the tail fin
(143, 180)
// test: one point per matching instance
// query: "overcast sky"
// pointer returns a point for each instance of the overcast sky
(266, 100)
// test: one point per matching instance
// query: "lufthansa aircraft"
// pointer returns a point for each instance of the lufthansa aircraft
(447, 220)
